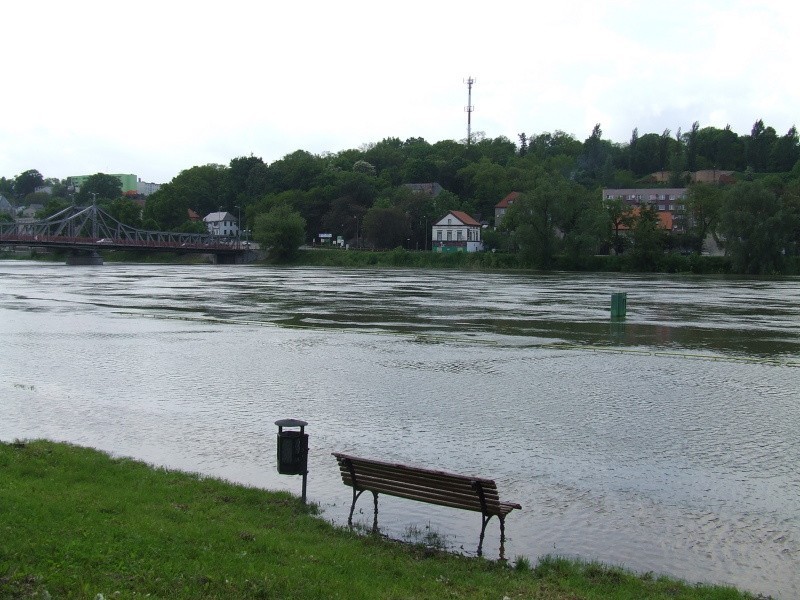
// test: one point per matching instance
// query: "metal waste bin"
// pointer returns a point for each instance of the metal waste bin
(293, 450)
(619, 305)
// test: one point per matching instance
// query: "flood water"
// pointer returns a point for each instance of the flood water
(664, 443)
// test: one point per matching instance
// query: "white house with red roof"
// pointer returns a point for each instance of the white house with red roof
(501, 207)
(456, 232)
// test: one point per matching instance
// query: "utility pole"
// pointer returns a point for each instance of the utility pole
(469, 108)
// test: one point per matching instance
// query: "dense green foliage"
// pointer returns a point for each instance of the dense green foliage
(78, 524)
(280, 231)
(363, 195)
(99, 187)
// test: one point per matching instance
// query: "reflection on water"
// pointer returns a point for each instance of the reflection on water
(666, 442)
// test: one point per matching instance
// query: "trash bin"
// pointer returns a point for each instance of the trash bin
(619, 305)
(293, 450)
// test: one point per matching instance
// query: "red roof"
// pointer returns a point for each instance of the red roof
(508, 200)
(464, 218)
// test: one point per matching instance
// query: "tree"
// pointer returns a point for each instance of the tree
(581, 220)
(785, 152)
(165, 210)
(759, 146)
(295, 171)
(242, 181)
(281, 230)
(26, 182)
(53, 206)
(620, 216)
(632, 147)
(702, 209)
(523, 144)
(648, 239)
(532, 221)
(596, 164)
(362, 166)
(645, 153)
(201, 188)
(125, 211)
(100, 186)
(691, 147)
(7, 188)
(386, 227)
(753, 228)
(486, 182)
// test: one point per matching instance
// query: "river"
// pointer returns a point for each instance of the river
(666, 443)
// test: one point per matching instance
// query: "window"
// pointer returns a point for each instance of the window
(438, 235)
(459, 235)
(449, 235)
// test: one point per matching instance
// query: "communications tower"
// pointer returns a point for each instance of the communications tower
(469, 108)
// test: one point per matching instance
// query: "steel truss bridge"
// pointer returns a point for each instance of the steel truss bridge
(86, 230)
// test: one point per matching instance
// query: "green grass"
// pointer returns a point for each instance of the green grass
(503, 261)
(76, 523)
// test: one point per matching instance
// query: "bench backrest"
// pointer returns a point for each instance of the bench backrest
(426, 485)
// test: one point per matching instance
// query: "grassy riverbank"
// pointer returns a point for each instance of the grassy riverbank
(493, 261)
(75, 523)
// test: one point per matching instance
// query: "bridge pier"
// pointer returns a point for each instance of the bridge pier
(84, 257)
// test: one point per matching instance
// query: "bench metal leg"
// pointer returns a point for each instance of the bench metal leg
(502, 536)
(484, 521)
(375, 520)
(356, 495)
(353, 506)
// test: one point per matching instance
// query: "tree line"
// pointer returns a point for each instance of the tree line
(360, 194)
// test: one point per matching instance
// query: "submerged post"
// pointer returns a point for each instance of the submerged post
(619, 305)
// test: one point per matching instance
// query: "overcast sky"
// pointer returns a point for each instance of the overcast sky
(155, 87)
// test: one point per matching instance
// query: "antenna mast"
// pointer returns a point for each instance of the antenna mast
(469, 108)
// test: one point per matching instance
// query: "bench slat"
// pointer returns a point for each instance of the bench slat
(364, 462)
(468, 502)
(462, 487)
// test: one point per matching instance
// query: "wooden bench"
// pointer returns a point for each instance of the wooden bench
(425, 485)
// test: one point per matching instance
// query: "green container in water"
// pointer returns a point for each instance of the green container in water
(619, 305)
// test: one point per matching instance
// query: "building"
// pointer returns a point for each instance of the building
(145, 188)
(501, 207)
(221, 223)
(128, 181)
(669, 202)
(431, 189)
(456, 232)
(715, 176)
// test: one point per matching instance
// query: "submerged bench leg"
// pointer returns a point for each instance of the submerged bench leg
(484, 521)
(353, 506)
(356, 495)
(502, 537)
(375, 520)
